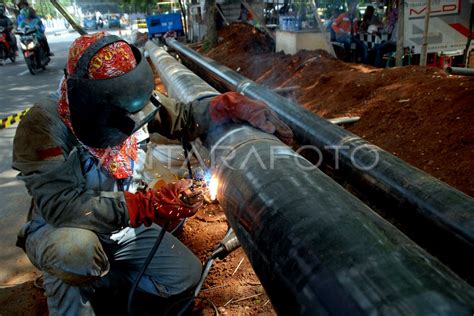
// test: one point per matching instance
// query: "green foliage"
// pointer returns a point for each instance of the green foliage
(147, 6)
(44, 8)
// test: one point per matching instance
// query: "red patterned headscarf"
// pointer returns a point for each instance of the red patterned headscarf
(111, 61)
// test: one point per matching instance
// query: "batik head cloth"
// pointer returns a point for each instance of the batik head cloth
(110, 61)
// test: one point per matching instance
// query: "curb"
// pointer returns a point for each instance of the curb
(11, 119)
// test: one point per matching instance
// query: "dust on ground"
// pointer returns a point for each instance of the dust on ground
(422, 115)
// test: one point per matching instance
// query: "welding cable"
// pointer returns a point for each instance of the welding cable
(145, 266)
(204, 274)
(185, 144)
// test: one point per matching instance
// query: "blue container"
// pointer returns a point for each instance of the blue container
(158, 25)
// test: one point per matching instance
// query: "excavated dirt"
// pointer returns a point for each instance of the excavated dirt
(231, 279)
(419, 114)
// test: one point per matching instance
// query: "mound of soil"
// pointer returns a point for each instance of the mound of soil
(420, 114)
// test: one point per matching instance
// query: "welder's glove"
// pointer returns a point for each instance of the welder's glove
(232, 106)
(172, 202)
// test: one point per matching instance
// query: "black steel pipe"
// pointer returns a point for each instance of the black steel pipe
(438, 216)
(316, 248)
(460, 71)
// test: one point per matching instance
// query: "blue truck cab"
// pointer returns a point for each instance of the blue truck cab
(159, 24)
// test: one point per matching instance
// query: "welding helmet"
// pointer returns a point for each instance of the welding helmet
(105, 110)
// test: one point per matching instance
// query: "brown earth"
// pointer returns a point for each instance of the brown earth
(230, 279)
(419, 114)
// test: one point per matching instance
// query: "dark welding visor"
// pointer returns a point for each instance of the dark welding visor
(104, 112)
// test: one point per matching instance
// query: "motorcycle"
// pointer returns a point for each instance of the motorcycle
(6, 50)
(34, 54)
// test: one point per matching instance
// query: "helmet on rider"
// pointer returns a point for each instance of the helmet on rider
(22, 4)
(108, 85)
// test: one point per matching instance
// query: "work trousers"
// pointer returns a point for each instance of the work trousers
(361, 48)
(77, 262)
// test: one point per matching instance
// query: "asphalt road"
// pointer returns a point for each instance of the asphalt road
(20, 90)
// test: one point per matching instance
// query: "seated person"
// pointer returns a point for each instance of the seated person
(369, 19)
(389, 46)
(328, 23)
(345, 27)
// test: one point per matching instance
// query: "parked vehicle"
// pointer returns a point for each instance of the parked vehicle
(34, 54)
(6, 50)
(160, 24)
(114, 21)
(90, 23)
(139, 24)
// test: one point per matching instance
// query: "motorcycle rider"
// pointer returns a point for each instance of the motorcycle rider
(7, 23)
(31, 21)
(89, 229)
(35, 20)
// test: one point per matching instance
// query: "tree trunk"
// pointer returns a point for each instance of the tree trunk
(211, 23)
(400, 33)
(424, 47)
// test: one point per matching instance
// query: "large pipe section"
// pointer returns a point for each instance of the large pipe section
(438, 216)
(460, 71)
(316, 248)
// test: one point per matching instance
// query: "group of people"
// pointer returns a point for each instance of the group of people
(26, 20)
(346, 27)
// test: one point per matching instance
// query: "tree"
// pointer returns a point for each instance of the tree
(44, 8)
(211, 35)
(146, 6)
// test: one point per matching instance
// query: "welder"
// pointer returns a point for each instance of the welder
(89, 228)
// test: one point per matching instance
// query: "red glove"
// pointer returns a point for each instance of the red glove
(171, 202)
(232, 106)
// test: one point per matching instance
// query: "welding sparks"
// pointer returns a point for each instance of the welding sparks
(213, 184)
